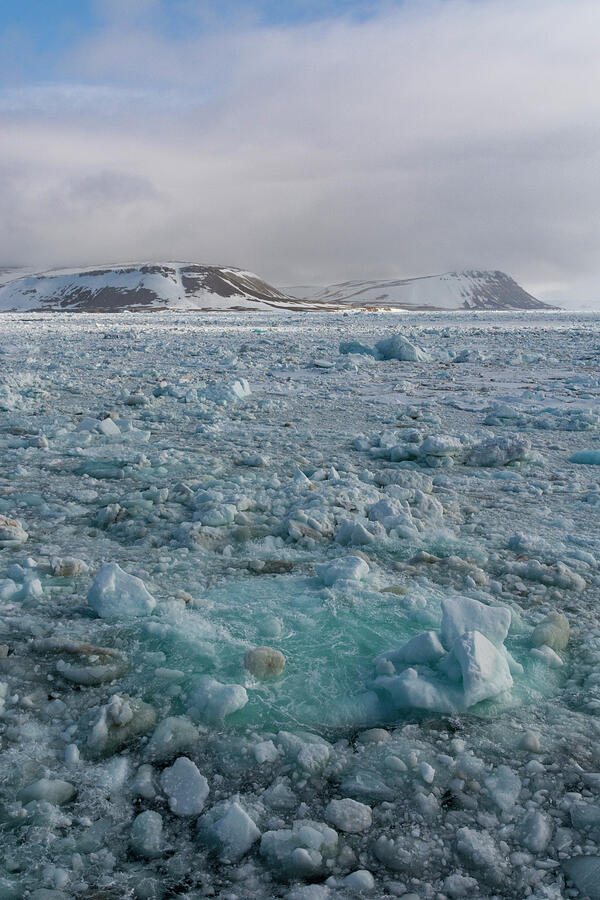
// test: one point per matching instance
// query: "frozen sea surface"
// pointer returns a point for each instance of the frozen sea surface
(403, 509)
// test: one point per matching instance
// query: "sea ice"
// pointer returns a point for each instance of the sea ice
(185, 787)
(146, 834)
(115, 594)
(425, 505)
(212, 701)
(229, 830)
(348, 568)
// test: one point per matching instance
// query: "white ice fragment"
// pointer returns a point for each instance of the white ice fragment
(504, 786)
(68, 566)
(71, 754)
(226, 392)
(553, 631)
(215, 515)
(115, 724)
(531, 741)
(499, 451)
(548, 656)
(473, 671)
(114, 775)
(115, 594)
(477, 848)
(422, 690)
(53, 790)
(118, 710)
(170, 737)
(12, 534)
(535, 831)
(8, 589)
(395, 764)
(143, 783)
(256, 461)
(299, 852)
(398, 347)
(212, 701)
(109, 428)
(460, 614)
(353, 533)
(88, 424)
(359, 882)
(264, 662)
(185, 787)
(229, 830)
(484, 669)
(456, 885)
(424, 649)
(146, 834)
(31, 589)
(441, 445)
(469, 355)
(427, 773)
(265, 752)
(313, 757)
(347, 568)
(349, 815)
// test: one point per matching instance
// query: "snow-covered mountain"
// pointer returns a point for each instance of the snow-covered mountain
(145, 286)
(192, 286)
(11, 273)
(470, 289)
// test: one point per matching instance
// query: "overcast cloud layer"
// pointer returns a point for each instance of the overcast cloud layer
(429, 137)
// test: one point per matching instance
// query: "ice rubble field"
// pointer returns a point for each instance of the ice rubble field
(403, 510)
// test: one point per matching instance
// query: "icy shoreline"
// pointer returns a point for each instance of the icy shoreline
(300, 606)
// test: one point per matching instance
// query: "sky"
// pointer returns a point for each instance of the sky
(310, 142)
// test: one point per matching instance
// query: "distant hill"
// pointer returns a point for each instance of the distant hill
(194, 286)
(145, 286)
(471, 289)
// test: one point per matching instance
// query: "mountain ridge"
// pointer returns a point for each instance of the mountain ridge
(469, 289)
(188, 286)
(142, 286)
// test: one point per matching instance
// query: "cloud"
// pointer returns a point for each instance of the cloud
(433, 136)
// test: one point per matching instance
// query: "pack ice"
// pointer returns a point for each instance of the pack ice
(299, 605)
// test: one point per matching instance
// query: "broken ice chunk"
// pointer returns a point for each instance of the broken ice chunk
(146, 834)
(12, 534)
(226, 392)
(115, 594)
(348, 568)
(349, 815)
(170, 737)
(185, 786)
(300, 852)
(499, 451)
(460, 614)
(553, 631)
(229, 830)
(53, 791)
(398, 347)
(212, 701)
(504, 786)
(485, 671)
(424, 649)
